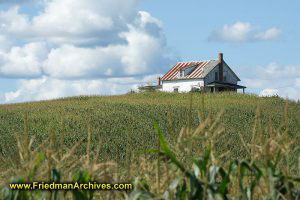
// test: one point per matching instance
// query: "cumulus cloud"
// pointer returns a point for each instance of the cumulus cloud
(243, 32)
(268, 92)
(23, 61)
(272, 79)
(276, 71)
(12, 22)
(80, 47)
(46, 88)
(5, 43)
(270, 34)
(81, 22)
(143, 53)
(140, 49)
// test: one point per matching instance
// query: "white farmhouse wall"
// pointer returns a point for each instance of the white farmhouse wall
(230, 77)
(182, 85)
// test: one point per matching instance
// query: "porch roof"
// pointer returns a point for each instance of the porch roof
(226, 85)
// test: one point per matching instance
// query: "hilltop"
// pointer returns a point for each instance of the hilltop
(119, 120)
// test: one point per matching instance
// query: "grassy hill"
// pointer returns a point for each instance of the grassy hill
(115, 119)
(123, 124)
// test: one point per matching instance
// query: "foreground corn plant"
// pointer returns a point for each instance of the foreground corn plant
(258, 177)
(49, 163)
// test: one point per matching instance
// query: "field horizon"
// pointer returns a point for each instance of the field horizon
(103, 112)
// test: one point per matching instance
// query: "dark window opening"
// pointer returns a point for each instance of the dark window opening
(216, 76)
(175, 89)
(182, 73)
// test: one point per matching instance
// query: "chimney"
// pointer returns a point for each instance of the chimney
(221, 68)
(220, 57)
(158, 81)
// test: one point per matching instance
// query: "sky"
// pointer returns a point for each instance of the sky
(57, 48)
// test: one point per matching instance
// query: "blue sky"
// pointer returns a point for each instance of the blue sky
(56, 48)
(188, 25)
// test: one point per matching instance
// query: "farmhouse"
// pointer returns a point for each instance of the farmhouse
(211, 76)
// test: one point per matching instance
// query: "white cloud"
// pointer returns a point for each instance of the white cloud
(237, 32)
(269, 92)
(48, 88)
(243, 32)
(80, 47)
(11, 96)
(68, 21)
(272, 79)
(23, 61)
(5, 43)
(276, 71)
(12, 22)
(81, 22)
(69, 61)
(143, 53)
(140, 47)
(270, 34)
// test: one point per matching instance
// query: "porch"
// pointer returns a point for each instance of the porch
(222, 87)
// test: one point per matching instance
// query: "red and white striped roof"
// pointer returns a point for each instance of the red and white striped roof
(172, 74)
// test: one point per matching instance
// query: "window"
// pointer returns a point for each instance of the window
(181, 73)
(216, 76)
(176, 89)
(224, 78)
(189, 70)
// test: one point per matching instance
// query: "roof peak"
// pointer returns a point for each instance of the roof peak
(196, 61)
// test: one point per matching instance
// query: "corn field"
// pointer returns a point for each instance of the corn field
(170, 146)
